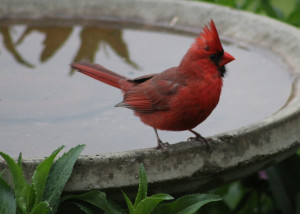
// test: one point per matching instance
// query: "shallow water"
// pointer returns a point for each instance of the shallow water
(43, 104)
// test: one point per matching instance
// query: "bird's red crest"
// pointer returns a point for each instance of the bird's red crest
(209, 38)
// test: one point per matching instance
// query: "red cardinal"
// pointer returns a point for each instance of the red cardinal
(178, 98)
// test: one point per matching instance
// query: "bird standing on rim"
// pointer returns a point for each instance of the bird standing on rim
(179, 98)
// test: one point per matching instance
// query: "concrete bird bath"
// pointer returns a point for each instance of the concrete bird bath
(185, 166)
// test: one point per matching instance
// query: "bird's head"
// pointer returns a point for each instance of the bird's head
(208, 46)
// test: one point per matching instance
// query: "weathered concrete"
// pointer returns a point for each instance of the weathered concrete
(185, 166)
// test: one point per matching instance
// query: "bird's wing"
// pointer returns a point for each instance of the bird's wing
(142, 79)
(151, 95)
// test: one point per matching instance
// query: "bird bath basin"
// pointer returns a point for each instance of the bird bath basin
(44, 104)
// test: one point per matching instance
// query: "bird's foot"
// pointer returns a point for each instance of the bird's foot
(161, 145)
(201, 139)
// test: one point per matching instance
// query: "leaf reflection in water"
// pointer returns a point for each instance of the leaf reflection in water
(11, 47)
(92, 38)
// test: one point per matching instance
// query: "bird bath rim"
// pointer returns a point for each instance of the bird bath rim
(235, 153)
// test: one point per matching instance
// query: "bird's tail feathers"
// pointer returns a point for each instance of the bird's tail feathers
(99, 72)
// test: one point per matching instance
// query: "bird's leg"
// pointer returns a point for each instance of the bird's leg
(198, 137)
(160, 144)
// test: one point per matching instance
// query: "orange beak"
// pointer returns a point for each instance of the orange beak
(226, 59)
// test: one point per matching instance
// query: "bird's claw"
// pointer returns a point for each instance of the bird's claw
(192, 139)
(202, 140)
(162, 146)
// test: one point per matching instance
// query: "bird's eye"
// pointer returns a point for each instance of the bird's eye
(215, 58)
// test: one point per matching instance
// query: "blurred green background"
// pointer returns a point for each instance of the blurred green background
(276, 189)
(287, 11)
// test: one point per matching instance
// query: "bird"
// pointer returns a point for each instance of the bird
(178, 98)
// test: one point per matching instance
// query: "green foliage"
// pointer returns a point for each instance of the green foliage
(143, 204)
(274, 190)
(7, 199)
(143, 186)
(40, 176)
(22, 190)
(97, 199)
(288, 12)
(43, 194)
(59, 175)
(188, 204)
(284, 183)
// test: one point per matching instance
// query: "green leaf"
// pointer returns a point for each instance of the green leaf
(83, 208)
(40, 175)
(129, 204)
(148, 204)
(30, 197)
(41, 208)
(97, 199)
(284, 182)
(279, 191)
(234, 195)
(294, 18)
(188, 204)
(20, 160)
(143, 185)
(7, 199)
(59, 175)
(21, 187)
